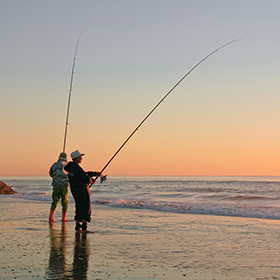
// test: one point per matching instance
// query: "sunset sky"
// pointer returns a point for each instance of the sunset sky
(223, 119)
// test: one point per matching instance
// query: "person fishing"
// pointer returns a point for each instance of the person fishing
(79, 185)
(60, 185)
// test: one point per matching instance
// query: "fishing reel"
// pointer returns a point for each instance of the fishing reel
(103, 178)
(97, 174)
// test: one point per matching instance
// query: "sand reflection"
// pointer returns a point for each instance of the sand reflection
(64, 262)
(57, 263)
(81, 256)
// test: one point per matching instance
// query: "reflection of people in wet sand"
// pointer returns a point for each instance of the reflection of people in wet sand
(81, 256)
(57, 262)
(58, 267)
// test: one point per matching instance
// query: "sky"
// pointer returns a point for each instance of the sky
(223, 119)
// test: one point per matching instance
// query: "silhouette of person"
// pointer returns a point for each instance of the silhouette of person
(57, 262)
(81, 256)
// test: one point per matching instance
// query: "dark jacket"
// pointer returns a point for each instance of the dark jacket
(79, 185)
(77, 176)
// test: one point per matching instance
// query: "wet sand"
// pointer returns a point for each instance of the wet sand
(134, 244)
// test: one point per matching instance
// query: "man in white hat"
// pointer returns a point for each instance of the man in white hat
(79, 185)
(60, 186)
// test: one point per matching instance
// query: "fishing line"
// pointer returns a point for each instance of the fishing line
(136, 129)
(70, 91)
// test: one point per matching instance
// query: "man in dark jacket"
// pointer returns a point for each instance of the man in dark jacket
(79, 185)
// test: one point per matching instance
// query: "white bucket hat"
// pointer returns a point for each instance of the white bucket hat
(76, 154)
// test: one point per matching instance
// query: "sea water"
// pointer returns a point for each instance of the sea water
(256, 197)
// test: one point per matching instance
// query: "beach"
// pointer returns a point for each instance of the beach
(134, 244)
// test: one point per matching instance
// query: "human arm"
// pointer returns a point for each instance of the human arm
(93, 174)
(51, 172)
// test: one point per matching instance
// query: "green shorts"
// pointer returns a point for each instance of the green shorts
(58, 194)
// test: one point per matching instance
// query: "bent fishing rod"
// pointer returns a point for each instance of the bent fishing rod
(137, 128)
(70, 92)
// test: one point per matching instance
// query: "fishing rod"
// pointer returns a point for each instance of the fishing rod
(70, 91)
(136, 129)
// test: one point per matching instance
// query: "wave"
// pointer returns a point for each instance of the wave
(222, 209)
(245, 197)
(242, 197)
(205, 208)
(36, 196)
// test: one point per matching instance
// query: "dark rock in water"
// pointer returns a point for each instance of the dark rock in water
(4, 189)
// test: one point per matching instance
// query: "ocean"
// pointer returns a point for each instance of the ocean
(252, 197)
(201, 228)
